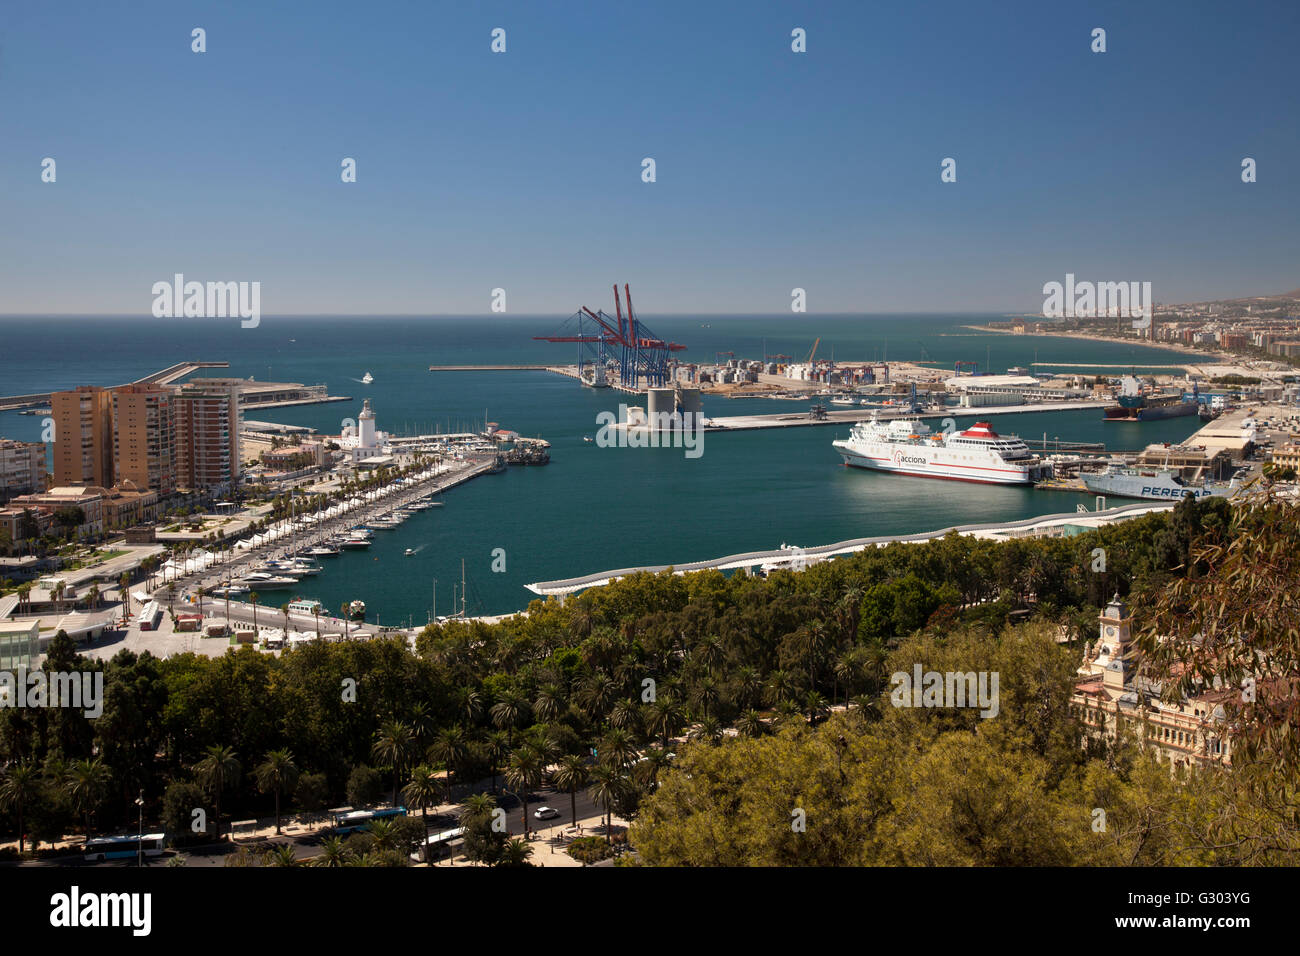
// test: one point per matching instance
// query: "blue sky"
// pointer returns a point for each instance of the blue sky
(522, 170)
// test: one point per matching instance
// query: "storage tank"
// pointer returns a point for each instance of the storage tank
(660, 403)
(692, 408)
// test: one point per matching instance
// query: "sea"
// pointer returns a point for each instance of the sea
(591, 509)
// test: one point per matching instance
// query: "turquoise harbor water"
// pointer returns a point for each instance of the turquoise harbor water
(591, 509)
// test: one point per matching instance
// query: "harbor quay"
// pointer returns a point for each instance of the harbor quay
(793, 558)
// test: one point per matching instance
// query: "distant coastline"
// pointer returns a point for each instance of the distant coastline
(1093, 337)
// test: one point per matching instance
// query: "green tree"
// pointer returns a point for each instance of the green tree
(277, 774)
(219, 769)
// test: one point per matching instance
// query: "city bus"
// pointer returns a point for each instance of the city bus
(354, 820)
(125, 847)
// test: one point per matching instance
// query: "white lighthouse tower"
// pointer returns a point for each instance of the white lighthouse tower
(366, 427)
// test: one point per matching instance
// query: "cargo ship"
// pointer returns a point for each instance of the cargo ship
(907, 447)
(1136, 406)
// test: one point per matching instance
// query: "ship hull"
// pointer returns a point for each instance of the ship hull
(1149, 413)
(921, 468)
(1146, 489)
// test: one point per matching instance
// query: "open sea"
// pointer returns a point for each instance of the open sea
(591, 508)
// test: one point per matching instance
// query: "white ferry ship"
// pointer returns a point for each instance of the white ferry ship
(907, 446)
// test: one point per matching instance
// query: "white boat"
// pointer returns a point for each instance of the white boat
(843, 400)
(410, 552)
(322, 551)
(354, 544)
(264, 580)
(231, 590)
(906, 446)
(367, 379)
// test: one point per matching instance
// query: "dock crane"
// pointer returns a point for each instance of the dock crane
(718, 356)
(813, 353)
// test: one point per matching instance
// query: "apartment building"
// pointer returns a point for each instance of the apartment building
(207, 425)
(145, 437)
(83, 436)
(22, 467)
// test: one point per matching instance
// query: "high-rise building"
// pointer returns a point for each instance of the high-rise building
(207, 424)
(144, 436)
(83, 436)
(22, 467)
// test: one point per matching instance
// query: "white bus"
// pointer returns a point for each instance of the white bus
(125, 847)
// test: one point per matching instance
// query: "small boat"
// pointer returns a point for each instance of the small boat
(264, 580)
(367, 379)
(353, 544)
(410, 552)
(357, 610)
(231, 590)
(588, 439)
(322, 551)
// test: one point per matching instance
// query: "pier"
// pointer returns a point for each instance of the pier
(790, 555)
(861, 413)
(163, 377)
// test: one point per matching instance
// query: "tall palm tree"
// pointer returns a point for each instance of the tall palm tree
(284, 609)
(21, 785)
(86, 785)
(422, 792)
(343, 612)
(665, 718)
(276, 774)
(523, 773)
(394, 745)
(450, 749)
(496, 746)
(550, 703)
(200, 592)
(92, 596)
(607, 786)
(57, 594)
(571, 775)
(617, 748)
(470, 704)
(508, 712)
(252, 599)
(219, 768)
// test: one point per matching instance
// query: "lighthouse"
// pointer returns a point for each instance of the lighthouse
(366, 426)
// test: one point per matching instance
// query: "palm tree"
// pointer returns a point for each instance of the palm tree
(665, 718)
(707, 730)
(284, 609)
(92, 596)
(316, 611)
(394, 745)
(252, 599)
(200, 592)
(343, 612)
(616, 748)
(496, 746)
(607, 786)
(219, 769)
(571, 775)
(332, 852)
(550, 703)
(516, 853)
(523, 773)
(470, 704)
(171, 596)
(450, 749)
(507, 713)
(276, 774)
(21, 785)
(86, 785)
(422, 792)
(57, 594)
(283, 856)
(751, 724)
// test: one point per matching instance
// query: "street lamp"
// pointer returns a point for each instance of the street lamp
(139, 843)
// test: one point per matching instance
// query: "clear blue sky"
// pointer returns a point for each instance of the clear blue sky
(523, 170)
